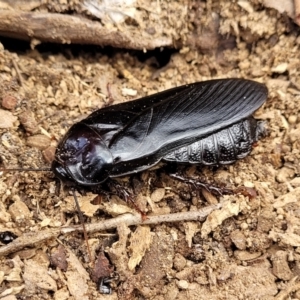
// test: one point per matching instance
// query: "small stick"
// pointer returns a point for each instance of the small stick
(31, 239)
(109, 95)
(63, 28)
(137, 219)
(45, 169)
(21, 81)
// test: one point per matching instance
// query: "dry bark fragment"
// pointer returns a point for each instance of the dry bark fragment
(66, 29)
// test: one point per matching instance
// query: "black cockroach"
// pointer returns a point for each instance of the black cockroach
(206, 123)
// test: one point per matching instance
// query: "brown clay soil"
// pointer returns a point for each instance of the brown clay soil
(247, 248)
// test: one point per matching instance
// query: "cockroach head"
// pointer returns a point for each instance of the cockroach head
(82, 157)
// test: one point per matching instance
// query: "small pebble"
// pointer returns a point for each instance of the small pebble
(238, 239)
(49, 154)
(281, 267)
(9, 102)
(182, 284)
(179, 262)
(27, 119)
(292, 119)
(7, 119)
(281, 68)
(19, 211)
(158, 195)
(38, 141)
(285, 174)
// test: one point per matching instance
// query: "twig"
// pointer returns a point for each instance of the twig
(136, 219)
(21, 81)
(59, 28)
(31, 239)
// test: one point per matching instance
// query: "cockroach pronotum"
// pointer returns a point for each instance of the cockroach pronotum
(205, 123)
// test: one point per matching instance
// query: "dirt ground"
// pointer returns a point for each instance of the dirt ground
(237, 246)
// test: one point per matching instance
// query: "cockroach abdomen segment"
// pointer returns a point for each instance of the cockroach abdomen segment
(223, 147)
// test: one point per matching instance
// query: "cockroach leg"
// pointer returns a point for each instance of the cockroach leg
(197, 184)
(125, 194)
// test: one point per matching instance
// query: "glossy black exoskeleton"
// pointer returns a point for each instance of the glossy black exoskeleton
(206, 123)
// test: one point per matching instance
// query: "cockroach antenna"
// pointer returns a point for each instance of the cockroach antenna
(82, 223)
(45, 169)
(26, 169)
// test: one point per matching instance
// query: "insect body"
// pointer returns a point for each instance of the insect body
(205, 123)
